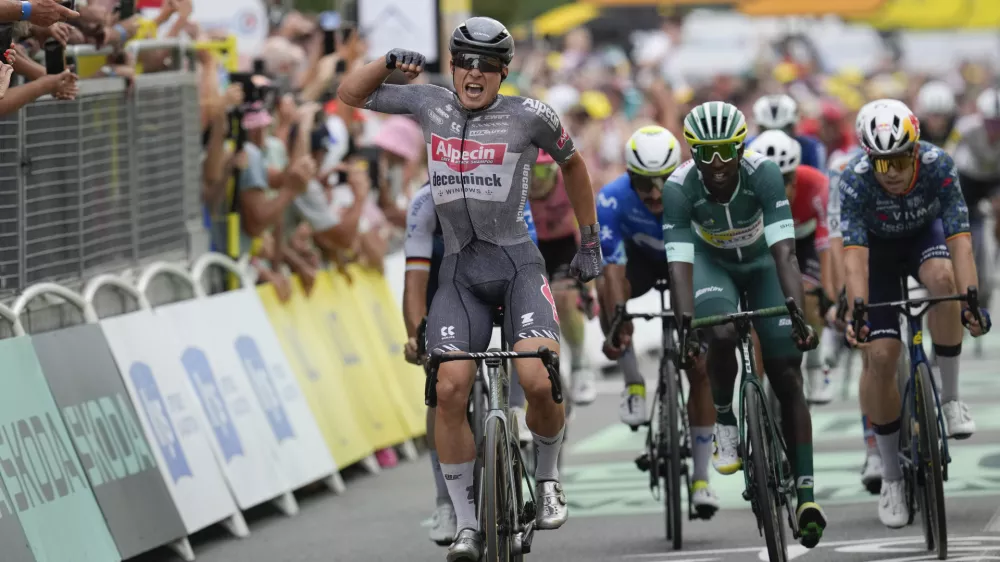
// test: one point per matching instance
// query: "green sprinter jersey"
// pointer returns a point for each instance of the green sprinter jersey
(738, 232)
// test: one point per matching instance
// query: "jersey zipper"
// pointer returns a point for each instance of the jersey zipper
(461, 174)
(729, 220)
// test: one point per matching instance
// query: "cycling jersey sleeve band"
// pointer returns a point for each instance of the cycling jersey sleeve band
(781, 230)
(418, 264)
(680, 251)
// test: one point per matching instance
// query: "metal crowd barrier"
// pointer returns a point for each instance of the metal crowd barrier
(107, 182)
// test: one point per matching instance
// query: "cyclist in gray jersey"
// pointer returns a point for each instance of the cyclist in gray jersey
(480, 150)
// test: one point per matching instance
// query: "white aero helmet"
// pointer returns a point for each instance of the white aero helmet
(775, 112)
(780, 148)
(988, 104)
(936, 98)
(652, 151)
(887, 127)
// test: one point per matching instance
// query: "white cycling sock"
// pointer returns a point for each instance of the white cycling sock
(702, 450)
(630, 368)
(829, 346)
(888, 448)
(440, 486)
(949, 378)
(547, 455)
(462, 489)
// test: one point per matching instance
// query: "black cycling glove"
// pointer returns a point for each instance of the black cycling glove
(587, 262)
(402, 56)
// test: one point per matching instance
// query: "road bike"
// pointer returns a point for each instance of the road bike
(668, 442)
(923, 449)
(770, 485)
(506, 518)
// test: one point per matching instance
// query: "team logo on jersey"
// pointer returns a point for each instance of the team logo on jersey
(542, 110)
(861, 167)
(465, 156)
(547, 293)
(563, 139)
(930, 156)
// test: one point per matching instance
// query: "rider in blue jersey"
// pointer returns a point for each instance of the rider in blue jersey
(424, 249)
(630, 211)
(779, 111)
(902, 213)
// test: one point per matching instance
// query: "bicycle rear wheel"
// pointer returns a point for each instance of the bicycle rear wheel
(670, 451)
(764, 501)
(931, 495)
(498, 509)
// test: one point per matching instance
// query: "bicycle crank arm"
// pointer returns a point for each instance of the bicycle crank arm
(521, 542)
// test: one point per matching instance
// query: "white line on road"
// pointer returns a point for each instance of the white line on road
(670, 555)
(994, 524)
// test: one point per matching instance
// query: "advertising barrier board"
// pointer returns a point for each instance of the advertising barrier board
(240, 323)
(243, 443)
(108, 438)
(42, 476)
(148, 357)
(380, 316)
(318, 375)
(364, 385)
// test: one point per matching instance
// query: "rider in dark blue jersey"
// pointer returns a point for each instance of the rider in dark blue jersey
(630, 211)
(902, 213)
(780, 111)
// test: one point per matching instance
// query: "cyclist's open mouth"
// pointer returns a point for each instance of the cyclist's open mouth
(473, 90)
(719, 176)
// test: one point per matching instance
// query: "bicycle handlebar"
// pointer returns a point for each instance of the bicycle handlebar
(799, 325)
(548, 357)
(621, 316)
(971, 297)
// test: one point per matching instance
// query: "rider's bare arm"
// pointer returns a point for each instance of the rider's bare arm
(678, 240)
(579, 189)
(359, 84)
(415, 299)
(955, 220)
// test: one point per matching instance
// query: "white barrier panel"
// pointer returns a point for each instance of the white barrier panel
(243, 444)
(239, 321)
(148, 358)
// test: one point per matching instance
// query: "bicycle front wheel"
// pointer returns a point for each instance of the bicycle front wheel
(670, 451)
(498, 509)
(931, 495)
(765, 500)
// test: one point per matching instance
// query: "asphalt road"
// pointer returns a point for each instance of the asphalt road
(614, 517)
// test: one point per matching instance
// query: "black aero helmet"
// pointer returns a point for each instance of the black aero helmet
(483, 36)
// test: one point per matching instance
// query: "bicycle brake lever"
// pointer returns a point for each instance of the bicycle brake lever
(551, 361)
(972, 298)
(858, 317)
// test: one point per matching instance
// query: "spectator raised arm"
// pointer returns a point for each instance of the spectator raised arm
(38, 12)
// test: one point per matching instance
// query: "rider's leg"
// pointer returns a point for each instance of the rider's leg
(632, 410)
(529, 295)
(944, 320)
(573, 326)
(444, 523)
(517, 403)
(820, 391)
(458, 321)
(701, 416)
(783, 364)
(716, 294)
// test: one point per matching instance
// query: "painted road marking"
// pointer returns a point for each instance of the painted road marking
(828, 426)
(993, 526)
(618, 488)
(971, 549)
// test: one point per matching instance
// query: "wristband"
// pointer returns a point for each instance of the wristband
(591, 229)
(25, 10)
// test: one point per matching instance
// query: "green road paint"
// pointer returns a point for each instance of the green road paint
(620, 489)
(828, 426)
